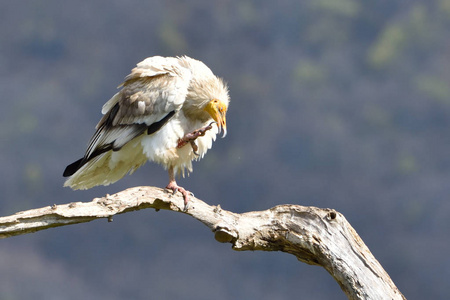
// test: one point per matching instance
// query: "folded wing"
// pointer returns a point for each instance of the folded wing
(150, 96)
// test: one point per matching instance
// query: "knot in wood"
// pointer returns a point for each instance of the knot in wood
(332, 215)
(223, 234)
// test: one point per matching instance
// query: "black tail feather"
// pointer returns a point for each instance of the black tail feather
(73, 167)
(140, 128)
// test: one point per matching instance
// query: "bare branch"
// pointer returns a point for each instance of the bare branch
(315, 236)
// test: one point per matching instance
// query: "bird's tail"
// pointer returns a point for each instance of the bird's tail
(105, 168)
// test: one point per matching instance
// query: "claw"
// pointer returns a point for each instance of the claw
(194, 147)
(175, 188)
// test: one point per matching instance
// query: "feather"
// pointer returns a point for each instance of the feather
(160, 101)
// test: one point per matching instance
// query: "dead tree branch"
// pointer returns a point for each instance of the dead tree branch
(315, 236)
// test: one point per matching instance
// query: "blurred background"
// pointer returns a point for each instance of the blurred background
(342, 104)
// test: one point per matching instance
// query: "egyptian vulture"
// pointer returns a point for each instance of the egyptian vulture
(169, 110)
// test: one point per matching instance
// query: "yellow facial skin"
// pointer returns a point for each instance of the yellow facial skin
(217, 110)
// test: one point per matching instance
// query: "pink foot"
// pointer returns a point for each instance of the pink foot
(175, 188)
(192, 136)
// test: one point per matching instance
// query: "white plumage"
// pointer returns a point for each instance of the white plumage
(162, 113)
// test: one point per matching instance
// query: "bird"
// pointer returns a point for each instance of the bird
(169, 110)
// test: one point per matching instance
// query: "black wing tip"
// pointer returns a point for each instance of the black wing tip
(72, 168)
(152, 128)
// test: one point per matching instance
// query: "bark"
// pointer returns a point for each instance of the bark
(314, 235)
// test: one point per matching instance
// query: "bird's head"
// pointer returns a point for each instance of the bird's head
(207, 93)
(218, 110)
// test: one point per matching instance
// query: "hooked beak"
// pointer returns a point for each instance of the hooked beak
(217, 110)
(222, 124)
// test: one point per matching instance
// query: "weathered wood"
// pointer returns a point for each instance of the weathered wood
(315, 236)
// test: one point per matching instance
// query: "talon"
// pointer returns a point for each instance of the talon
(186, 207)
(194, 147)
(175, 188)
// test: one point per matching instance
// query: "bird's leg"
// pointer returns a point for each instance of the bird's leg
(192, 136)
(175, 188)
